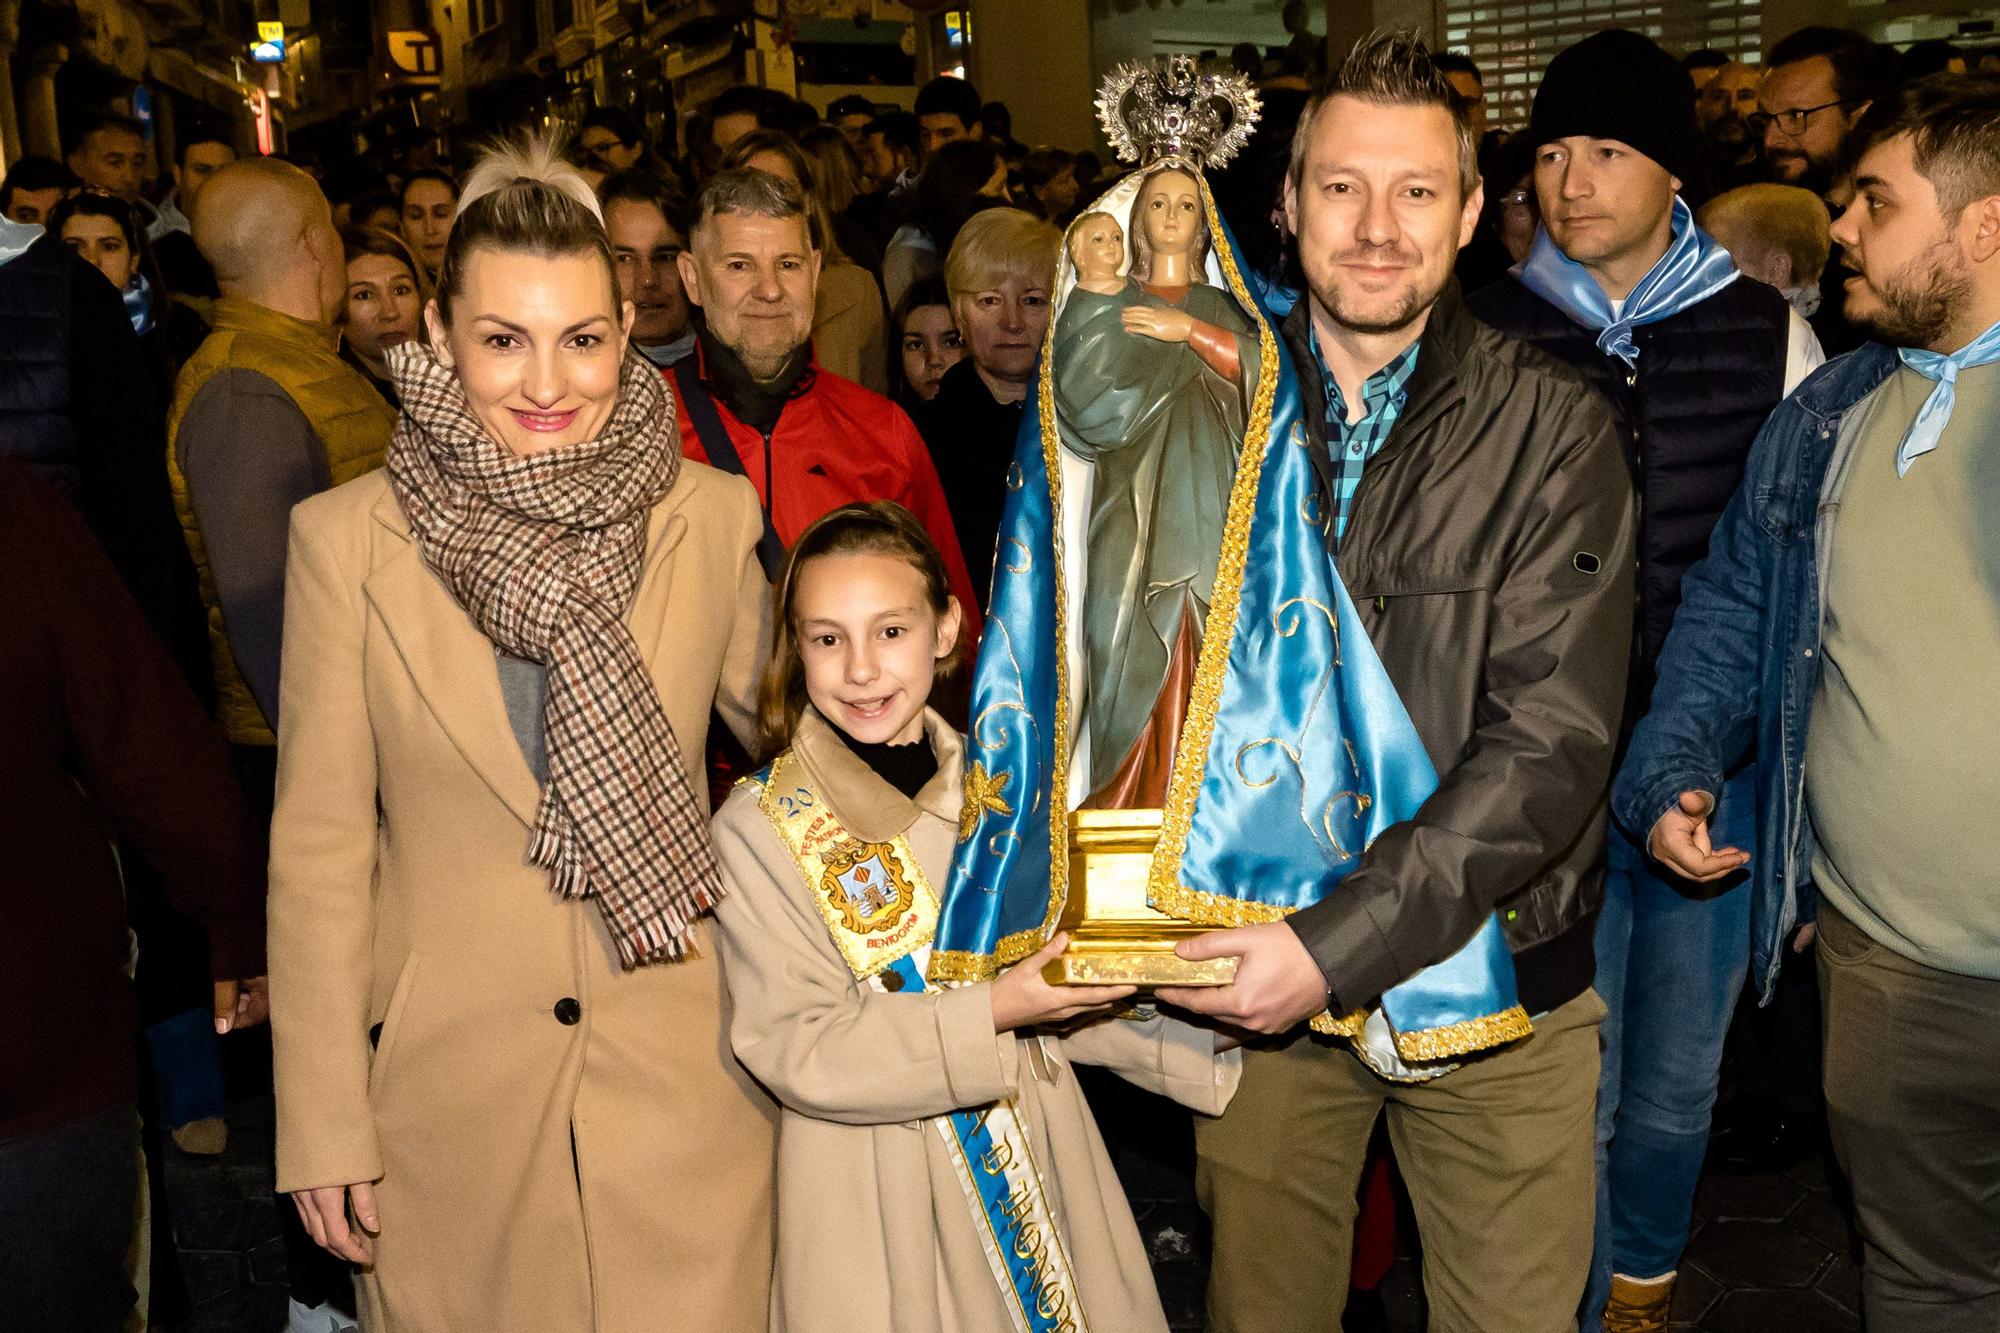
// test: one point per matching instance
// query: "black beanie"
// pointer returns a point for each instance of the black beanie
(1620, 85)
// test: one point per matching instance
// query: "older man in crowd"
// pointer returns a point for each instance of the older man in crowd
(753, 401)
(265, 414)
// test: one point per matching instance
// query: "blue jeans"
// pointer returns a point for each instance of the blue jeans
(187, 1068)
(1671, 961)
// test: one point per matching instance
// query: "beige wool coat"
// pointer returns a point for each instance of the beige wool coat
(558, 1145)
(874, 1231)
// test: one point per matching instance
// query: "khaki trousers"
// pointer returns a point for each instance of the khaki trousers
(1913, 1099)
(1498, 1156)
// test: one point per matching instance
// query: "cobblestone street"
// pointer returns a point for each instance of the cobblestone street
(1770, 1254)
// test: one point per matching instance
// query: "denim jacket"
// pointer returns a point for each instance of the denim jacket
(1740, 666)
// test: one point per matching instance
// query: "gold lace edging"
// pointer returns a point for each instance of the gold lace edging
(959, 965)
(1456, 1039)
(1211, 909)
(1426, 1046)
(1219, 634)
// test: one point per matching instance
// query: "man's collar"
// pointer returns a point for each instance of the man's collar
(754, 402)
(1446, 339)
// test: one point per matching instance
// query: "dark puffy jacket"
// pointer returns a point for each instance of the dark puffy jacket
(83, 404)
(1489, 553)
(1687, 413)
(40, 292)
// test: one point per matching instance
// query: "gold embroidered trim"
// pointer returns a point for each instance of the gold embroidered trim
(1426, 1046)
(982, 793)
(1348, 1027)
(1211, 909)
(866, 951)
(1456, 1039)
(1059, 779)
(1218, 636)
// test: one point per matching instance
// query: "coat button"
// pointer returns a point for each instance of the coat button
(568, 1012)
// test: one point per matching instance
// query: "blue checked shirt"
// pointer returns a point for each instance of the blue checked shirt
(1382, 399)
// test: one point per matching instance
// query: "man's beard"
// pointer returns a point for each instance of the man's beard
(1813, 177)
(1728, 134)
(1414, 302)
(1920, 303)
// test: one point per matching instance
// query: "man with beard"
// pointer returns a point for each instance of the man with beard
(1817, 84)
(1478, 504)
(753, 400)
(1846, 621)
(1723, 110)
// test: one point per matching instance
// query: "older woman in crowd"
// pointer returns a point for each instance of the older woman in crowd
(998, 275)
(386, 292)
(850, 331)
(503, 1078)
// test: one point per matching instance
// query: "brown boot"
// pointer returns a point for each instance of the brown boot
(1638, 1305)
(206, 1137)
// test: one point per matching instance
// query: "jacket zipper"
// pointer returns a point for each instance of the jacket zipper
(770, 499)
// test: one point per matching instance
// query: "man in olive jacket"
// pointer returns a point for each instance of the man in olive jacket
(1482, 519)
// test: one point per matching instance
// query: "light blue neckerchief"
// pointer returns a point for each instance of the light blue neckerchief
(1694, 268)
(16, 237)
(1925, 431)
(138, 297)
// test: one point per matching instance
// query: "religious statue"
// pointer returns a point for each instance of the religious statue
(1178, 720)
(1150, 386)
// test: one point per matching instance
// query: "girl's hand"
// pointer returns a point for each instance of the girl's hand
(1021, 998)
(1169, 326)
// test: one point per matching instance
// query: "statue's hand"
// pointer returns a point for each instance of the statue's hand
(1168, 326)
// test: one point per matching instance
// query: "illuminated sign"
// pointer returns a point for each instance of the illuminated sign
(269, 48)
(415, 55)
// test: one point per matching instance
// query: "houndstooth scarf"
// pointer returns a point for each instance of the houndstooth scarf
(545, 553)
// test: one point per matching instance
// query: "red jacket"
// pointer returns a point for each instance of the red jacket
(836, 443)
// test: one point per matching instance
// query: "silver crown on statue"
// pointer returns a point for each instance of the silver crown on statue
(1169, 108)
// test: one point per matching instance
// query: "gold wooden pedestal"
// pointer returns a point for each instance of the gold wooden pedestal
(1115, 937)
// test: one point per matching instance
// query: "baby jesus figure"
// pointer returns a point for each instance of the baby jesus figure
(1151, 376)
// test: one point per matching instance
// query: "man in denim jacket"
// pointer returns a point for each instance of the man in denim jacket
(1863, 671)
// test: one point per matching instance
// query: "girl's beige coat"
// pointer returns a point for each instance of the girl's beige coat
(873, 1230)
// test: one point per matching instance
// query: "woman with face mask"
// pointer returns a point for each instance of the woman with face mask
(503, 1072)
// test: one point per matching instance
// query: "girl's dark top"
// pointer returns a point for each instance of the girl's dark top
(905, 767)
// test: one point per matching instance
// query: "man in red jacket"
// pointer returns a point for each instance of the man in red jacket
(753, 401)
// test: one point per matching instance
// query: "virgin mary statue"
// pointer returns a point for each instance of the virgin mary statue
(1166, 629)
(1150, 375)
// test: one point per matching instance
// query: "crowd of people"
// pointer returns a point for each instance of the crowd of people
(436, 586)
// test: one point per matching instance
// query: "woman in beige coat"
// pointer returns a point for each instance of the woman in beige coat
(875, 1229)
(503, 1080)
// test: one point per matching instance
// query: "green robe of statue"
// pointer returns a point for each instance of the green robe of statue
(1164, 431)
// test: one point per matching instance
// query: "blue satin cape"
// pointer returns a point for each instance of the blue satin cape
(1309, 756)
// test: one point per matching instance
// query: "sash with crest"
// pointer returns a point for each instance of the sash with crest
(882, 913)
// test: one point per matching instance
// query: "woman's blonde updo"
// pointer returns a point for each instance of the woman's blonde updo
(522, 196)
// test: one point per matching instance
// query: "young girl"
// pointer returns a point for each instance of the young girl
(938, 1168)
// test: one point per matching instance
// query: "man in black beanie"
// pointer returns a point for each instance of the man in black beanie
(1692, 357)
